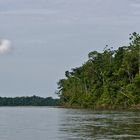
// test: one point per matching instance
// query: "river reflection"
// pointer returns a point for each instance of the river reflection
(89, 125)
(45, 123)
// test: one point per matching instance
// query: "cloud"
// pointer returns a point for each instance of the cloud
(5, 46)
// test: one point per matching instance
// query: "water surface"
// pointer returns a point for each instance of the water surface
(45, 123)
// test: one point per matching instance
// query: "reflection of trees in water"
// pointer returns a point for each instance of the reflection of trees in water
(112, 129)
(104, 125)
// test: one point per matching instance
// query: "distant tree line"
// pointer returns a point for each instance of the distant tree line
(29, 101)
(108, 79)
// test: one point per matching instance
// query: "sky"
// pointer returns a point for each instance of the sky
(48, 37)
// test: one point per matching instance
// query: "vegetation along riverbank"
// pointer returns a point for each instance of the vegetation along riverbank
(109, 79)
(29, 101)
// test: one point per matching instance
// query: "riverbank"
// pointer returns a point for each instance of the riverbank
(135, 107)
(103, 107)
(29, 101)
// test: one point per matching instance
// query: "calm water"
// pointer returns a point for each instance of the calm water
(35, 123)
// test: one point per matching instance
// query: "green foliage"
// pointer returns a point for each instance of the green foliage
(29, 101)
(107, 79)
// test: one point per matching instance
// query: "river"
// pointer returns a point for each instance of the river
(48, 123)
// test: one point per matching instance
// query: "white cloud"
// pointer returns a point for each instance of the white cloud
(5, 46)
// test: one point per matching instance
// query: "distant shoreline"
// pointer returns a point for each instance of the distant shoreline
(36, 101)
(29, 101)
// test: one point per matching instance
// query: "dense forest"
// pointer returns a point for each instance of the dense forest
(108, 79)
(29, 101)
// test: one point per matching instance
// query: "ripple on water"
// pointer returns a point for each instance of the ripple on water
(35, 123)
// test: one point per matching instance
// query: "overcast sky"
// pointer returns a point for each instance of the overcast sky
(51, 36)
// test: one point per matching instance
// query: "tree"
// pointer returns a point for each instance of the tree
(109, 78)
